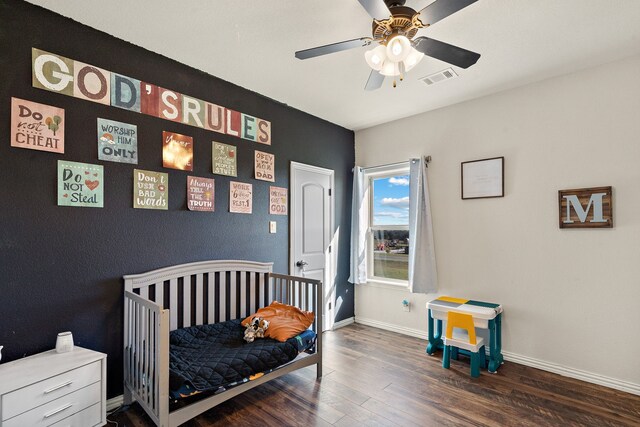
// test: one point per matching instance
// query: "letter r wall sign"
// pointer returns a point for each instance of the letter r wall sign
(586, 208)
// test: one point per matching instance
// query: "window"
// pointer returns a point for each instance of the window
(389, 225)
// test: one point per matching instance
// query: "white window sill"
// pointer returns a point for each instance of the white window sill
(377, 283)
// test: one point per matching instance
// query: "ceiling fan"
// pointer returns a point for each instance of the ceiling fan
(394, 28)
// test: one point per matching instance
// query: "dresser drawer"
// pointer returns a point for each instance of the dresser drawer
(37, 394)
(58, 409)
(86, 418)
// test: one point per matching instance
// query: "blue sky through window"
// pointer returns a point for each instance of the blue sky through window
(391, 200)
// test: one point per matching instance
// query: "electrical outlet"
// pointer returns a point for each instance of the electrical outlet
(272, 227)
(406, 305)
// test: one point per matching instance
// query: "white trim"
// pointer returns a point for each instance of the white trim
(387, 284)
(376, 171)
(565, 371)
(578, 374)
(329, 267)
(114, 403)
(343, 323)
(417, 333)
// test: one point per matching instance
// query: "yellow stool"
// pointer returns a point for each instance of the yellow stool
(468, 341)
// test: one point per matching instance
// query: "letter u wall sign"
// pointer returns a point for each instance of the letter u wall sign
(586, 208)
(56, 73)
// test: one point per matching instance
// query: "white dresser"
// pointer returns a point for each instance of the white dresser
(51, 389)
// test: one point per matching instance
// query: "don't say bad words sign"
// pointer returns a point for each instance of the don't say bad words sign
(37, 126)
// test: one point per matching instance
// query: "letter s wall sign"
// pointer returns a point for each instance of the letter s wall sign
(586, 208)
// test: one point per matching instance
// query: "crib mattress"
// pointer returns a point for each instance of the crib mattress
(215, 357)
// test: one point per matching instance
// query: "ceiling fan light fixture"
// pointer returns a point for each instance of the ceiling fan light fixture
(390, 69)
(398, 48)
(412, 59)
(376, 57)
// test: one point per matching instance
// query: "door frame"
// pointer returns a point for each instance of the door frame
(329, 267)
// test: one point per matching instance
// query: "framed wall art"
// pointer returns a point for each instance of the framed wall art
(482, 178)
(586, 208)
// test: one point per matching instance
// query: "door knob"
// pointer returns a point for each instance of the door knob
(302, 263)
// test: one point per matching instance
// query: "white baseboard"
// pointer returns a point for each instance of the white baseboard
(393, 328)
(343, 323)
(578, 374)
(114, 403)
(566, 371)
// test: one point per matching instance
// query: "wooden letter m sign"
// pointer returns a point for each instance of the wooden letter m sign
(586, 208)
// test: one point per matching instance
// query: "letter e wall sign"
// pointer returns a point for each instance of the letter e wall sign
(586, 208)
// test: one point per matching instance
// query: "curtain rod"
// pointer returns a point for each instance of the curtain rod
(427, 159)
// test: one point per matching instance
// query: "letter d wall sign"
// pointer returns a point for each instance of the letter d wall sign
(586, 208)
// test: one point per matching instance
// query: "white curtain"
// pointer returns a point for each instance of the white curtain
(358, 265)
(423, 277)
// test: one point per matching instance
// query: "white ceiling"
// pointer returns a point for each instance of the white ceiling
(252, 43)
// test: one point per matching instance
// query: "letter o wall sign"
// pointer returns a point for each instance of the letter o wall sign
(586, 208)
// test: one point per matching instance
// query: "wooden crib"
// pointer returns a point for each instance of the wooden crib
(198, 293)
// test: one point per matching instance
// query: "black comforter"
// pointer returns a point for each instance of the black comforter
(211, 357)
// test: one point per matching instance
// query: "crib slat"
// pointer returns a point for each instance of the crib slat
(186, 301)
(199, 302)
(233, 289)
(144, 292)
(243, 294)
(160, 294)
(134, 345)
(127, 340)
(138, 346)
(223, 296)
(152, 357)
(211, 288)
(252, 292)
(314, 305)
(147, 350)
(173, 304)
(261, 286)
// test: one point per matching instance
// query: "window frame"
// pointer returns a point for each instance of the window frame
(370, 175)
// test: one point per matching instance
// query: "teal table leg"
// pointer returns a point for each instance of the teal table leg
(495, 344)
(454, 353)
(435, 332)
(499, 339)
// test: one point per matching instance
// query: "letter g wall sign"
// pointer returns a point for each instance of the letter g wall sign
(586, 208)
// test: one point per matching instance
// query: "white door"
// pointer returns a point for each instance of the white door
(311, 230)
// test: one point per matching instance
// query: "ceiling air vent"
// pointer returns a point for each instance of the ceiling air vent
(440, 76)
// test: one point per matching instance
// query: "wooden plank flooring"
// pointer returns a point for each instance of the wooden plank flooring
(374, 377)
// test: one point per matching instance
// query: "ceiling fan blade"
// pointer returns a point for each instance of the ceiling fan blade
(376, 8)
(440, 9)
(331, 48)
(457, 56)
(374, 81)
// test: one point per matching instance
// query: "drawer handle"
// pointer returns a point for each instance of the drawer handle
(58, 387)
(57, 411)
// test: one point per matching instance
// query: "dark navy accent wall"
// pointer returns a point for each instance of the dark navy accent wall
(61, 268)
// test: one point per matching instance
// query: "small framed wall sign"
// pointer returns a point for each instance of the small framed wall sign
(482, 178)
(586, 208)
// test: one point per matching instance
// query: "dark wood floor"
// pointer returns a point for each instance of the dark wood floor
(378, 378)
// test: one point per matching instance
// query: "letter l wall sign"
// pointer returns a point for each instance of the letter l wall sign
(586, 208)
